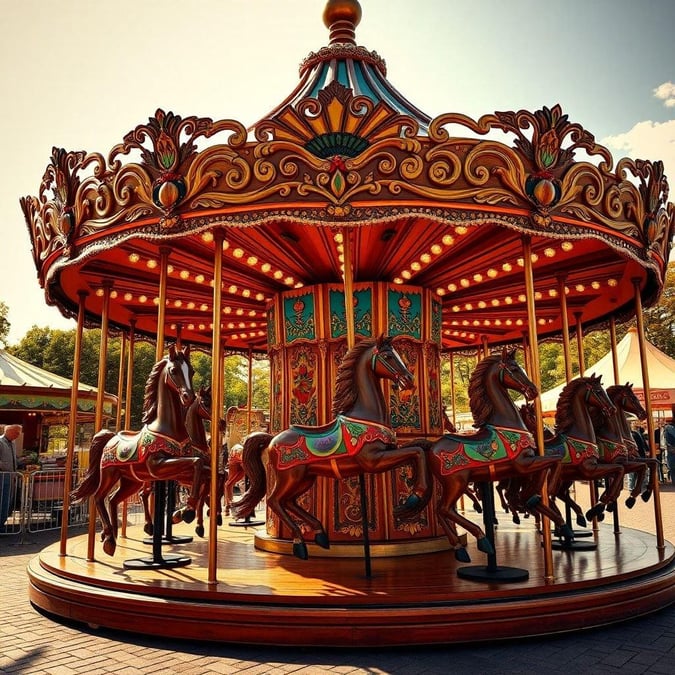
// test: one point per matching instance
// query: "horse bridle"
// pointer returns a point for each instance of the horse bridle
(387, 366)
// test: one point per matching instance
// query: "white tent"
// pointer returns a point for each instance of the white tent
(660, 366)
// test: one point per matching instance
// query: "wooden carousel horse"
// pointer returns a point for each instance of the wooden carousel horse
(235, 474)
(162, 450)
(358, 441)
(196, 414)
(502, 447)
(616, 443)
(576, 445)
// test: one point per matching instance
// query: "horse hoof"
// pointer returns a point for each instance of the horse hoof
(109, 546)
(611, 507)
(219, 519)
(566, 533)
(581, 521)
(300, 550)
(199, 530)
(484, 545)
(148, 529)
(595, 511)
(516, 519)
(630, 502)
(321, 539)
(478, 508)
(189, 515)
(601, 517)
(533, 502)
(646, 495)
(462, 556)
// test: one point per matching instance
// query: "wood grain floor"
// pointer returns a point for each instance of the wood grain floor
(268, 598)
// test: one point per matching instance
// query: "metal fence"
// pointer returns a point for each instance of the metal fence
(34, 502)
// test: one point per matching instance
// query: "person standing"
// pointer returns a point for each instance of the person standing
(8, 465)
(669, 433)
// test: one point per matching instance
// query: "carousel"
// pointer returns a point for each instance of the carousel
(357, 242)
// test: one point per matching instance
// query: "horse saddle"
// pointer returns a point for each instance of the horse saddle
(135, 446)
(343, 436)
(571, 450)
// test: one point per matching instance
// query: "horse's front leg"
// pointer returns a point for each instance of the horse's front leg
(183, 469)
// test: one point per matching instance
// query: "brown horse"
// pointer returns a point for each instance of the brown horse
(359, 440)
(616, 443)
(162, 450)
(235, 474)
(501, 448)
(195, 415)
(576, 445)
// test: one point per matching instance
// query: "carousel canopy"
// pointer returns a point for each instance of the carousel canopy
(25, 387)
(660, 368)
(347, 165)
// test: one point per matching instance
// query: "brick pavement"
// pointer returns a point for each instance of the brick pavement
(32, 644)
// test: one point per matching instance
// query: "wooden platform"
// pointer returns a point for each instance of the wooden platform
(274, 599)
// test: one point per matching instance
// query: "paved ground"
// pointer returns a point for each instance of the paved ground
(33, 644)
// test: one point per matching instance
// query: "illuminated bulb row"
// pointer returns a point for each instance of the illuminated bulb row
(491, 273)
(436, 249)
(252, 261)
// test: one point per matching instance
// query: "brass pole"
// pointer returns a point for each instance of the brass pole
(536, 378)
(650, 420)
(249, 391)
(580, 342)
(452, 390)
(98, 418)
(120, 383)
(567, 352)
(349, 288)
(161, 308)
(216, 401)
(72, 426)
(127, 409)
(615, 357)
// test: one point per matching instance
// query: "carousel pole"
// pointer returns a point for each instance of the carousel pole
(127, 401)
(247, 522)
(452, 390)
(536, 378)
(217, 371)
(351, 330)
(592, 486)
(615, 369)
(650, 420)
(567, 351)
(567, 356)
(106, 287)
(120, 383)
(615, 358)
(72, 427)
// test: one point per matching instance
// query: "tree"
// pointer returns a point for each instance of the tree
(660, 319)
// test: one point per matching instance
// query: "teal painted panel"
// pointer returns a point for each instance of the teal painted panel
(299, 320)
(363, 312)
(404, 312)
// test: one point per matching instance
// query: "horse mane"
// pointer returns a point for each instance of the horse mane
(151, 386)
(564, 413)
(480, 404)
(345, 384)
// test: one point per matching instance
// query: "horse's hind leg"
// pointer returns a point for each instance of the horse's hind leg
(283, 493)
(127, 487)
(108, 480)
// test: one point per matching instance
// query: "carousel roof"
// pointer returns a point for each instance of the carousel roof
(442, 203)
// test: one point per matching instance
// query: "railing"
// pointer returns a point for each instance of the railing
(34, 502)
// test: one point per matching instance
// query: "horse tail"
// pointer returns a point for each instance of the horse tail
(251, 458)
(92, 477)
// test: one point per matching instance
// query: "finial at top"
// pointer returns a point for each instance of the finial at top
(341, 17)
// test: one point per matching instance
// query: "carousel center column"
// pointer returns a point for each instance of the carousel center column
(307, 335)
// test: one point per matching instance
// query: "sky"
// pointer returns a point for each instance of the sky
(81, 74)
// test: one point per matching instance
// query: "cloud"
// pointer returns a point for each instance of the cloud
(666, 92)
(648, 140)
